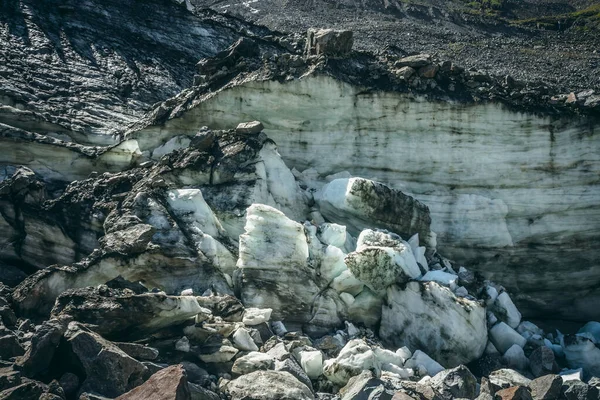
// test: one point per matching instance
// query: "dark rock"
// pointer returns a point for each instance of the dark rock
(365, 386)
(31, 390)
(56, 389)
(455, 383)
(8, 317)
(121, 283)
(108, 370)
(118, 314)
(542, 362)
(44, 342)
(138, 351)
(10, 347)
(9, 378)
(328, 42)
(70, 383)
(195, 373)
(429, 71)
(228, 58)
(132, 240)
(167, 384)
(291, 366)
(197, 392)
(546, 387)
(577, 390)
(513, 393)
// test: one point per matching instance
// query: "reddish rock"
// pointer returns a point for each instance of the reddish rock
(513, 393)
(167, 384)
(429, 71)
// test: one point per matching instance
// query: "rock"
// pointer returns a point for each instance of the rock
(515, 358)
(130, 240)
(108, 370)
(138, 351)
(455, 383)
(577, 390)
(218, 354)
(291, 366)
(250, 128)
(243, 341)
(505, 378)
(429, 71)
(411, 312)
(542, 362)
(506, 310)
(10, 347)
(167, 384)
(582, 352)
(405, 73)
(513, 393)
(253, 361)
(195, 373)
(547, 387)
(31, 390)
(117, 314)
(9, 378)
(256, 316)
(364, 386)
(197, 392)
(361, 203)
(268, 385)
(328, 42)
(70, 383)
(44, 342)
(417, 61)
(504, 337)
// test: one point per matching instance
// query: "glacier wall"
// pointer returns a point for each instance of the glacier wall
(513, 195)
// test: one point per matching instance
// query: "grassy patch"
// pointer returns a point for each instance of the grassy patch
(584, 20)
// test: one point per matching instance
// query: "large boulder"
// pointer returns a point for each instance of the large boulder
(167, 384)
(328, 42)
(268, 385)
(108, 370)
(122, 314)
(455, 383)
(429, 317)
(581, 352)
(360, 203)
(43, 346)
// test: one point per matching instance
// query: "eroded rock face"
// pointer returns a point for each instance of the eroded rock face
(410, 313)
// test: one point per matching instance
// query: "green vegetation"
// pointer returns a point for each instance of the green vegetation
(585, 20)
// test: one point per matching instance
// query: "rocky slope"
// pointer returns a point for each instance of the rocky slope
(365, 239)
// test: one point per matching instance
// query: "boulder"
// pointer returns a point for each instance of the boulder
(577, 390)
(268, 385)
(328, 42)
(10, 347)
(291, 366)
(243, 341)
(505, 378)
(167, 384)
(44, 342)
(355, 357)
(506, 310)
(120, 314)
(416, 61)
(515, 358)
(138, 351)
(455, 383)
(427, 316)
(364, 386)
(109, 371)
(253, 361)
(513, 393)
(547, 387)
(30, 390)
(250, 128)
(542, 361)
